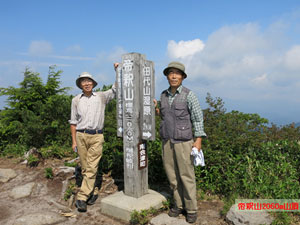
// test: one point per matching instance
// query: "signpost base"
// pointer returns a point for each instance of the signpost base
(121, 206)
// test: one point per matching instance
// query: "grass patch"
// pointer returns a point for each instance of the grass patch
(69, 191)
(72, 164)
(144, 216)
(48, 173)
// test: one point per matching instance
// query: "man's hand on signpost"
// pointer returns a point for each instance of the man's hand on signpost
(116, 65)
(156, 107)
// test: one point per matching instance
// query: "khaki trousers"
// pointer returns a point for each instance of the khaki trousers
(90, 151)
(179, 168)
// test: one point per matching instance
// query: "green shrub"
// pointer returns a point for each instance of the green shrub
(144, 216)
(37, 114)
(14, 150)
(139, 217)
(49, 173)
(33, 161)
(269, 174)
(56, 151)
(243, 157)
(282, 218)
(69, 191)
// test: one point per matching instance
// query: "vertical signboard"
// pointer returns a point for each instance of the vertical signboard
(130, 113)
(136, 122)
(119, 102)
(147, 95)
(142, 155)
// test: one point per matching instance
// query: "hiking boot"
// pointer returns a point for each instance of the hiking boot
(92, 199)
(174, 212)
(191, 217)
(80, 205)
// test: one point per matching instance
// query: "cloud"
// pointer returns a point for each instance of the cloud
(44, 49)
(244, 63)
(115, 55)
(65, 57)
(103, 65)
(241, 53)
(184, 49)
(260, 80)
(24, 64)
(74, 49)
(292, 58)
(40, 48)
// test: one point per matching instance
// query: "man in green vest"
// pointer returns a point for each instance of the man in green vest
(180, 112)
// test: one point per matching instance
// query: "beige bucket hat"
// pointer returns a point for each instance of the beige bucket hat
(85, 75)
(176, 65)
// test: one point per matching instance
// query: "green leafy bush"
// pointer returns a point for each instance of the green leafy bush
(49, 173)
(245, 157)
(56, 151)
(143, 216)
(37, 114)
(11, 150)
(69, 191)
(282, 218)
(112, 157)
(32, 161)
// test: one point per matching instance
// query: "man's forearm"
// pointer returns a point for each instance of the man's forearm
(198, 143)
(73, 133)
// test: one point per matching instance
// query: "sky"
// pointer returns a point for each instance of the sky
(245, 52)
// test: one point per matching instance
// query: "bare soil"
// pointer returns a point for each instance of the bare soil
(47, 196)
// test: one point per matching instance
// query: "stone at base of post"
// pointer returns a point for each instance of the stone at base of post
(121, 206)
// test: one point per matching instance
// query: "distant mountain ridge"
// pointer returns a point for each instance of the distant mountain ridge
(297, 124)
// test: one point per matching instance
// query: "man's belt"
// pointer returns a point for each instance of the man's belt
(91, 131)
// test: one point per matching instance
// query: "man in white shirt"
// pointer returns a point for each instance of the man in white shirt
(87, 121)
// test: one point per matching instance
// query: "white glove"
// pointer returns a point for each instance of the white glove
(198, 157)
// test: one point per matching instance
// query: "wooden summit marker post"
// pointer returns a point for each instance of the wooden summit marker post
(135, 119)
(136, 124)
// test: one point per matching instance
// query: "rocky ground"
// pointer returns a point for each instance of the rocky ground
(28, 197)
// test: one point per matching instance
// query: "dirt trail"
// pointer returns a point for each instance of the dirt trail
(46, 196)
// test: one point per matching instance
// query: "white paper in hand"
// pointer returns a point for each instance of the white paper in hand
(198, 157)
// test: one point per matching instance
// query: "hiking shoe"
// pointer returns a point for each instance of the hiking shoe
(174, 212)
(191, 217)
(80, 205)
(92, 199)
